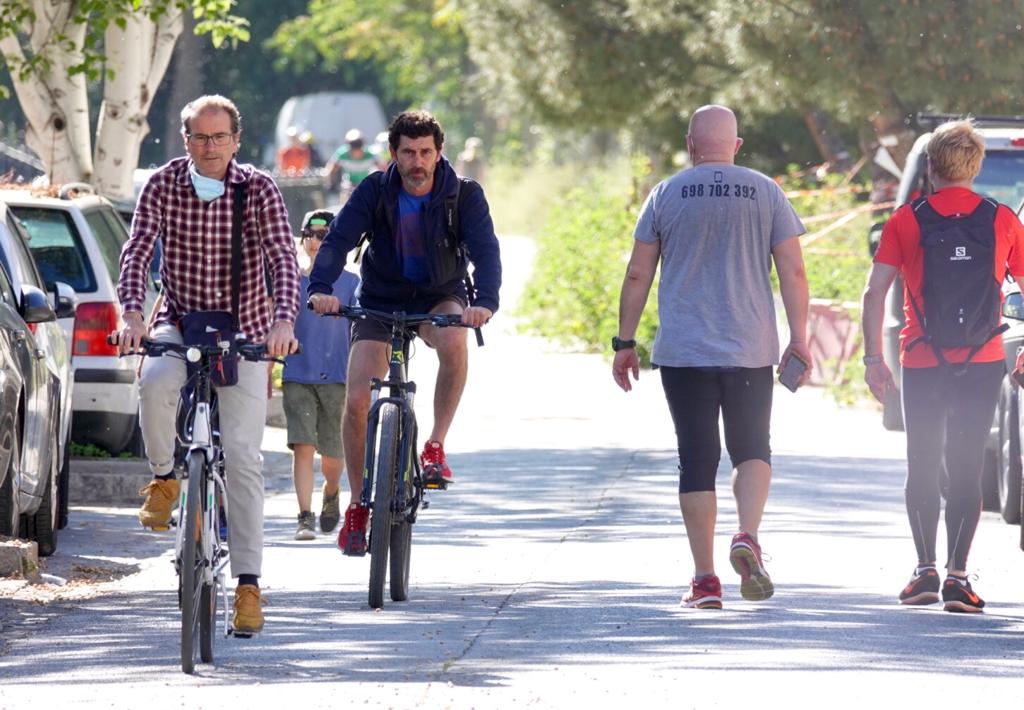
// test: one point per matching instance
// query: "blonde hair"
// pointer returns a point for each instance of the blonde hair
(956, 150)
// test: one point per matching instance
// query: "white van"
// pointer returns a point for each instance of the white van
(329, 115)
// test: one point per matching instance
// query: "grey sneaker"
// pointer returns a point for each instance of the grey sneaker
(330, 513)
(307, 526)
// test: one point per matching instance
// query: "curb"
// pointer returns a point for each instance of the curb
(107, 481)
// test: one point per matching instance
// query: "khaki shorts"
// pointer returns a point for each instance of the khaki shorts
(314, 416)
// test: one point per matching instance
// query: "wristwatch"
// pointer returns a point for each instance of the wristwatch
(620, 344)
(873, 359)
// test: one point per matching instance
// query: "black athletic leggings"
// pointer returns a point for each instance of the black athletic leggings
(695, 398)
(947, 414)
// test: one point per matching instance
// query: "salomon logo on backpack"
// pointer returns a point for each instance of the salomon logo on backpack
(961, 296)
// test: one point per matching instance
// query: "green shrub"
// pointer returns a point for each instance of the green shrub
(582, 252)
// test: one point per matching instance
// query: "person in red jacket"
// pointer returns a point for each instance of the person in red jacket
(953, 248)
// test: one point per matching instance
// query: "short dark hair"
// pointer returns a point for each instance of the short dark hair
(211, 102)
(415, 124)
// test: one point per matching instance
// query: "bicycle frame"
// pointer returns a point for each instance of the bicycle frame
(203, 441)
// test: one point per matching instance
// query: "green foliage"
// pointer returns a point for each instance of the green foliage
(83, 35)
(859, 57)
(837, 261)
(89, 450)
(572, 296)
(417, 48)
(522, 196)
(604, 64)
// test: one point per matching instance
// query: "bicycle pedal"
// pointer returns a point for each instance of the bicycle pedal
(435, 486)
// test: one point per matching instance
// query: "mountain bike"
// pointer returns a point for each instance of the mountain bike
(200, 554)
(393, 486)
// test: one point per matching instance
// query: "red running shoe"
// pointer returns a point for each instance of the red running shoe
(436, 473)
(352, 536)
(705, 594)
(745, 556)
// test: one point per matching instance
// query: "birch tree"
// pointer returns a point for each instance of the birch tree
(54, 49)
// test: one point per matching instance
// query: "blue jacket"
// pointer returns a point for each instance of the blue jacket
(382, 279)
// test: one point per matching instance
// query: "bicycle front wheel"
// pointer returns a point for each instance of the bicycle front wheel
(192, 563)
(383, 494)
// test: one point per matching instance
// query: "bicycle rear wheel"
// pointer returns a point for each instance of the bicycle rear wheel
(192, 563)
(384, 491)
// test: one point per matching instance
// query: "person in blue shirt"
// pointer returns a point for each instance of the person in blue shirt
(424, 226)
(314, 393)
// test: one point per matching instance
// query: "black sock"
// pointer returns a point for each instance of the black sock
(165, 476)
(249, 579)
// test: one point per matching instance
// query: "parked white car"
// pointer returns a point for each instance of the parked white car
(77, 239)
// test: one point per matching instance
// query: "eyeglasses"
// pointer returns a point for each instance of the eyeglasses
(317, 235)
(203, 139)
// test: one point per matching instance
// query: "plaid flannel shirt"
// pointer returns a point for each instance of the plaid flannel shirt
(196, 238)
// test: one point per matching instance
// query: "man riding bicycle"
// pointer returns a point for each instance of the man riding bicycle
(188, 206)
(423, 226)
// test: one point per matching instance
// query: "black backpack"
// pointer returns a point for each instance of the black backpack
(962, 298)
(453, 250)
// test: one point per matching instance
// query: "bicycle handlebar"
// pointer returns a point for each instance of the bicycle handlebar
(253, 352)
(411, 320)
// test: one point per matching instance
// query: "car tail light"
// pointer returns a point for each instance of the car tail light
(31, 328)
(93, 323)
(1017, 142)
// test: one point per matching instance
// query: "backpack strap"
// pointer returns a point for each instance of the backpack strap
(452, 210)
(237, 215)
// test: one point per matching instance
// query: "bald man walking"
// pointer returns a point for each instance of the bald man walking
(716, 227)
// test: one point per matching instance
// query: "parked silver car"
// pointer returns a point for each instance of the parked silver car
(37, 390)
(76, 238)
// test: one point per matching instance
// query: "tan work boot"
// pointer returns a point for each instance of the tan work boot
(161, 496)
(248, 610)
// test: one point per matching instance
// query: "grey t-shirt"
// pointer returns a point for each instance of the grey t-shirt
(716, 226)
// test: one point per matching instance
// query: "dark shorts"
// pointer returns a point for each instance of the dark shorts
(374, 330)
(695, 398)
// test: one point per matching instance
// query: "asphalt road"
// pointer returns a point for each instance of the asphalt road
(550, 575)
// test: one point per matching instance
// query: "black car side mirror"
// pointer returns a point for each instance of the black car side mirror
(65, 300)
(35, 306)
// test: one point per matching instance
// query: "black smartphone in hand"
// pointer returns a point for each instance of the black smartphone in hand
(792, 370)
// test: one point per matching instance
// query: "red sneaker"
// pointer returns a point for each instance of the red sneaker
(745, 556)
(705, 594)
(352, 536)
(436, 473)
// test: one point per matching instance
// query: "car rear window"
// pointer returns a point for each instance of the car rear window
(1002, 177)
(110, 237)
(57, 247)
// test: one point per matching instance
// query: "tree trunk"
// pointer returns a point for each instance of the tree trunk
(186, 84)
(55, 104)
(139, 54)
(826, 137)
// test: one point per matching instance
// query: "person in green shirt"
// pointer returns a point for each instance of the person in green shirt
(349, 165)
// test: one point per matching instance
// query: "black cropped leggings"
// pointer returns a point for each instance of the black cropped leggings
(947, 415)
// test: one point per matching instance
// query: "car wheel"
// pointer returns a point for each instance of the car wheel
(9, 516)
(42, 526)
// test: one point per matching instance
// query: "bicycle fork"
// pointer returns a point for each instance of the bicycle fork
(408, 463)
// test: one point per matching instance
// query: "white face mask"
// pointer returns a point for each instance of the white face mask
(207, 189)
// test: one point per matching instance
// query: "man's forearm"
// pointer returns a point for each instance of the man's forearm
(635, 289)
(872, 308)
(795, 299)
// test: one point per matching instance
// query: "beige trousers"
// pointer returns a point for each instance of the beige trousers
(243, 413)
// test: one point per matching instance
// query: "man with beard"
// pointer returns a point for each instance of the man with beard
(424, 225)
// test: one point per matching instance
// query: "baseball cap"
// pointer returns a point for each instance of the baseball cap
(316, 218)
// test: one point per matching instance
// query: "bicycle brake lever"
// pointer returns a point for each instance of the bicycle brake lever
(479, 337)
